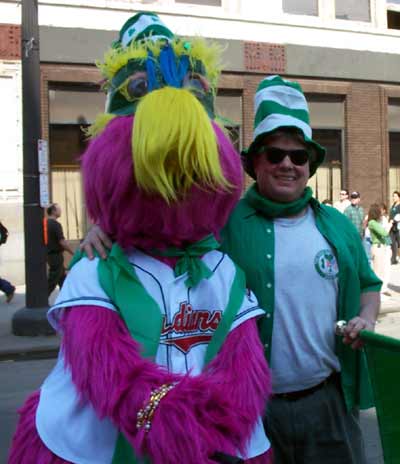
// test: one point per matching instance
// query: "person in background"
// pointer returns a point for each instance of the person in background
(56, 245)
(5, 286)
(307, 267)
(394, 217)
(327, 202)
(380, 241)
(387, 224)
(343, 201)
(355, 212)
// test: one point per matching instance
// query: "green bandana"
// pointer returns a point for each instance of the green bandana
(189, 259)
(272, 209)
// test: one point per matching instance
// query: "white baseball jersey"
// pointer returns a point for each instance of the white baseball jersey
(71, 429)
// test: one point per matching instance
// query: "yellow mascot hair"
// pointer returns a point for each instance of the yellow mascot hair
(175, 149)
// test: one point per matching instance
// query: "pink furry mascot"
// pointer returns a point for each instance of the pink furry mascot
(160, 359)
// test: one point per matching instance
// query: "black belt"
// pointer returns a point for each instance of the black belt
(296, 395)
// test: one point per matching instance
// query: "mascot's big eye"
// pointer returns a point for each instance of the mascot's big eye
(137, 87)
(196, 83)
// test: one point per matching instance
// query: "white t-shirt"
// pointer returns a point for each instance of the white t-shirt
(306, 294)
(342, 205)
(190, 317)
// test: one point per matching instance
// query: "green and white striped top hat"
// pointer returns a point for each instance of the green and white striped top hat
(143, 26)
(280, 103)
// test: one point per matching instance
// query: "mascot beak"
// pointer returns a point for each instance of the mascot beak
(174, 145)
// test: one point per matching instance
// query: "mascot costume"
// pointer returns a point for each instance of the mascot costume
(160, 360)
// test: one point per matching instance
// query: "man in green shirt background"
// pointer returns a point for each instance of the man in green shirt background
(355, 212)
(306, 264)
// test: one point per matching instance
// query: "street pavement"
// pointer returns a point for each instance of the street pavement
(21, 372)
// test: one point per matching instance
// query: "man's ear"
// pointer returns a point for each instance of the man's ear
(247, 163)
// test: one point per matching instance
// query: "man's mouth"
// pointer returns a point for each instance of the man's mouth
(285, 178)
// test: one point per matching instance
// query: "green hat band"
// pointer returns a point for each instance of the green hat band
(144, 26)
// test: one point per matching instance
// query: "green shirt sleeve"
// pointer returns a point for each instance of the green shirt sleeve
(369, 282)
(377, 228)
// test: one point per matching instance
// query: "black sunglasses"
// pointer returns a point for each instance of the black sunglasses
(276, 155)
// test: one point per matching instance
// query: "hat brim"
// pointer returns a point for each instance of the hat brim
(319, 153)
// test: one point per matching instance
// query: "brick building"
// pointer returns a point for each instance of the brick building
(345, 53)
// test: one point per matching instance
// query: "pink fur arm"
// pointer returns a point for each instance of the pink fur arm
(200, 415)
(237, 384)
(241, 371)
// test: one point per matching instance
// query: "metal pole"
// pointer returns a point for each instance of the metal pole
(31, 320)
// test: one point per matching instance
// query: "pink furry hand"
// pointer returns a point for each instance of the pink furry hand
(217, 410)
(191, 423)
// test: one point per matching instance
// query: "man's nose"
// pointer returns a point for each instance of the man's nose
(286, 162)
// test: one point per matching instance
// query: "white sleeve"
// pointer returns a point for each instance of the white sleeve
(80, 288)
(248, 310)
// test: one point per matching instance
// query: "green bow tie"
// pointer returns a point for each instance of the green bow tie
(189, 259)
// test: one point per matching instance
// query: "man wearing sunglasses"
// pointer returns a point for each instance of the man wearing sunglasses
(306, 265)
(343, 201)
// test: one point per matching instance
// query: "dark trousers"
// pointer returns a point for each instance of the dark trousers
(6, 287)
(56, 271)
(316, 429)
(394, 237)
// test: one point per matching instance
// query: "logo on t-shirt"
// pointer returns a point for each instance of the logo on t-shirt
(190, 327)
(326, 265)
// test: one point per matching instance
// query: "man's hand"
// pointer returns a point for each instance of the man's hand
(98, 240)
(353, 329)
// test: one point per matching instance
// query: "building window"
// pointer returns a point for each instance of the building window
(303, 7)
(228, 109)
(327, 121)
(354, 10)
(393, 19)
(201, 2)
(394, 145)
(67, 143)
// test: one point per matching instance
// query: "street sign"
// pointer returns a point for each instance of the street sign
(43, 156)
(44, 190)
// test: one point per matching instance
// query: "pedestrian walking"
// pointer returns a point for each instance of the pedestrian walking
(307, 266)
(343, 201)
(394, 217)
(380, 259)
(56, 245)
(355, 212)
(5, 286)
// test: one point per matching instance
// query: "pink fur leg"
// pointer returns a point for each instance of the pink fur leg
(199, 416)
(26, 446)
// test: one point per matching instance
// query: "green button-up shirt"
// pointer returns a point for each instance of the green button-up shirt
(248, 238)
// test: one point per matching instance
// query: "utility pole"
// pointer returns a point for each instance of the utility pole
(32, 319)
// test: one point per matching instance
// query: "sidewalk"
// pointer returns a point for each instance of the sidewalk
(12, 347)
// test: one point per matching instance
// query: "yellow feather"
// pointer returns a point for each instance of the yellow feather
(99, 125)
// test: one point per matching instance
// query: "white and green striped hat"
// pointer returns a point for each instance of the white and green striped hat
(280, 103)
(143, 26)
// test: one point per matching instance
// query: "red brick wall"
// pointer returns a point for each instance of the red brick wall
(365, 155)
(10, 42)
